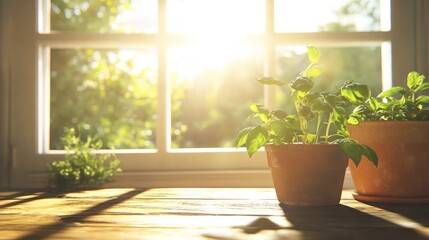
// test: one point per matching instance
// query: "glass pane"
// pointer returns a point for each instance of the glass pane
(334, 15)
(361, 64)
(109, 92)
(211, 89)
(104, 16)
(224, 16)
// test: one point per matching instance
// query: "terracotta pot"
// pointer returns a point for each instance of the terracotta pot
(307, 174)
(402, 174)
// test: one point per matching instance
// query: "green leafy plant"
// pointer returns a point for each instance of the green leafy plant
(316, 115)
(395, 104)
(82, 167)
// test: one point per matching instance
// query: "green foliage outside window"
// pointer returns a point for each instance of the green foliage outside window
(108, 97)
(99, 90)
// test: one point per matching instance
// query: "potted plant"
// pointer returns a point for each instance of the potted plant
(82, 167)
(396, 125)
(306, 157)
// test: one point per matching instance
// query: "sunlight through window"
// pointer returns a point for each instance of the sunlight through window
(190, 83)
(216, 16)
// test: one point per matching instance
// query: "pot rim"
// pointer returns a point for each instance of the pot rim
(390, 122)
(303, 144)
(300, 145)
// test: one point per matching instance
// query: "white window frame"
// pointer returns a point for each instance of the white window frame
(23, 161)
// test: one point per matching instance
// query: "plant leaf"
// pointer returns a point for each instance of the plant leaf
(281, 129)
(393, 91)
(422, 99)
(271, 81)
(369, 153)
(312, 72)
(422, 87)
(414, 80)
(373, 103)
(351, 149)
(241, 138)
(311, 138)
(302, 84)
(278, 113)
(256, 138)
(352, 120)
(356, 92)
(260, 111)
(355, 151)
(313, 54)
(258, 108)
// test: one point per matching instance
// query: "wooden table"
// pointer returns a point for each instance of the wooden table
(200, 213)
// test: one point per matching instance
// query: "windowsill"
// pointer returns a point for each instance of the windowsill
(215, 178)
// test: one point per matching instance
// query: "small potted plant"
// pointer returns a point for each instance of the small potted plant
(82, 167)
(396, 125)
(306, 157)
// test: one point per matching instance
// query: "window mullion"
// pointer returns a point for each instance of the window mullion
(269, 91)
(164, 102)
(43, 98)
(44, 18)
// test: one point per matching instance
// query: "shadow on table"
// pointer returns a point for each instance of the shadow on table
(25, 197)
(342, 222)
(14, 195)
(418, 213)
(65, 221)
(331, 223)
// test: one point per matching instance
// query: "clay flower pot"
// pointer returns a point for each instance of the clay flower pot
(307, 174)
(402, 175)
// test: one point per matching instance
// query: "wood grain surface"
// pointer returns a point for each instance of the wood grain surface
(200, 213)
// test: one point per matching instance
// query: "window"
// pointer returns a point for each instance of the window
(112, 91)
(167, 83)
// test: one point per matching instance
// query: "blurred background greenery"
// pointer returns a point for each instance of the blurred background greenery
(113, 92)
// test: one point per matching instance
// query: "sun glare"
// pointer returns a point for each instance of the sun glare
(216, 16)
(216, 28)
(207, 54)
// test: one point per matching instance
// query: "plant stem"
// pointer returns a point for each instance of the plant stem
(331, 116)
(302, 123)
(304, 129)
(318, 128)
